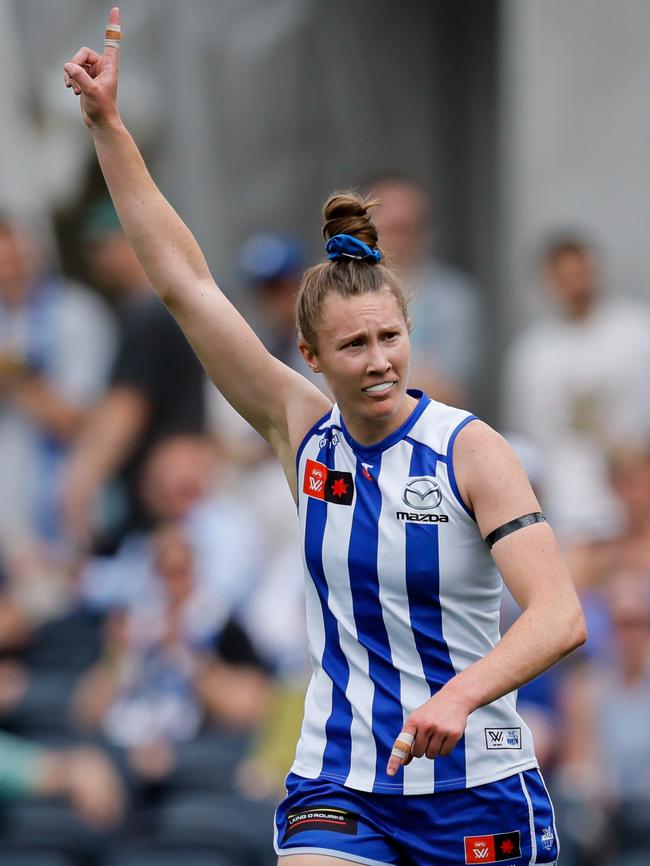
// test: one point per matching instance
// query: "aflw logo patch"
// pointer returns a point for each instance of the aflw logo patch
(492, 849)
(320, 482)
(503, 738)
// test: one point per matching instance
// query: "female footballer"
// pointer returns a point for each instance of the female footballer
(412, 514)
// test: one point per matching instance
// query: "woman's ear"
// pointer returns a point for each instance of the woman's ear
(409, 326)
(310, 356)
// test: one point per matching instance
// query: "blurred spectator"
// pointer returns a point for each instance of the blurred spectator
(178, 484)
(180, 691)
(56, 344)
(157, 389)
(604, 780)
(160, 678)
(446, 306)
(81, 775)
(630, 479)
(272, 264)
(177, 690)
(592, 562)
(577, 385)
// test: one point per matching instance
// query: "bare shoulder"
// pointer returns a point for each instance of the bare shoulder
(304, 405)
(490, 477)
(477, 440)
(481, 452)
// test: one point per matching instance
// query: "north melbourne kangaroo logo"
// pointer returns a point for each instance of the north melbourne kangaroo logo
(422, 493)
(548, 838)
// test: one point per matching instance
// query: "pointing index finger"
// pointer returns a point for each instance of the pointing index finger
(401, 752)
(113, 35)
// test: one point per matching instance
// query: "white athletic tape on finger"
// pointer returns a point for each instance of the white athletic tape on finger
(113, 35)
(405, 737)
(402, 745)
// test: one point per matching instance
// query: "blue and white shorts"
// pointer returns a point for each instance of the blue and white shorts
(509, 822)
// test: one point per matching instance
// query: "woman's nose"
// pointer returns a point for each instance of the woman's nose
(378, 362)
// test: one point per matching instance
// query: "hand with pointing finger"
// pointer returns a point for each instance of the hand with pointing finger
(432, 730)
(94, 76)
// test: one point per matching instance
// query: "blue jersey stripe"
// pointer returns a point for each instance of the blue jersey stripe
(387, 716)
(423, 587)
(338, 748)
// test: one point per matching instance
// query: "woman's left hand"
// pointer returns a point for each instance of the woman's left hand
(436, 727)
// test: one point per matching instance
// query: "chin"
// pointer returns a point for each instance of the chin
(384, 409)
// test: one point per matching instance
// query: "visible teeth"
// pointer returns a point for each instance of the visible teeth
(383, 386)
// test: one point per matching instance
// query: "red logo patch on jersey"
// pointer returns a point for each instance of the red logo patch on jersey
(315, 478)
(492, 849)
(320, 482)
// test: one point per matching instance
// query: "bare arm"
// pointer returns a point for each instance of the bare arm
(551, 624)
(108, 438)
(87, 778)
(277, 401)
(34, 396)
(234, 695)
(492, 481)
(37, 399)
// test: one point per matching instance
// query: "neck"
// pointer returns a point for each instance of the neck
(369, 431)
(581, 309)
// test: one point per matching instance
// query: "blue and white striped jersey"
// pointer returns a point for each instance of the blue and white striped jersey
(402, 594)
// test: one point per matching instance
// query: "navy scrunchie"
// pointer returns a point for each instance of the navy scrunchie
(348, 247)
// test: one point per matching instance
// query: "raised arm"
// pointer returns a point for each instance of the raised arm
(277, 401)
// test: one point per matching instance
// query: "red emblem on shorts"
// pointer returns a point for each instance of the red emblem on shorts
(492, 849)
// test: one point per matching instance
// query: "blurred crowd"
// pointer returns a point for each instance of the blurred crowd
(153, 656)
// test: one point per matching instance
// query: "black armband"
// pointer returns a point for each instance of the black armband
(513, 526)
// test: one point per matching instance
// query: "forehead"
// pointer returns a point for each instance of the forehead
(359, 312)
(571, 259)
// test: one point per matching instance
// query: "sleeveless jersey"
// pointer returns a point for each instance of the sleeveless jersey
(402, 594)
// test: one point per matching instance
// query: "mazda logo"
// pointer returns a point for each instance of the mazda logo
(422, 493)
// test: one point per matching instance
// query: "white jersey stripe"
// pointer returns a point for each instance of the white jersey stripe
(391, 556)
(531, 822)
(318, 700)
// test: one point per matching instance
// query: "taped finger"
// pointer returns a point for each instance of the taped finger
(113, 35)
(402, 746)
